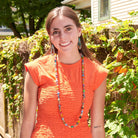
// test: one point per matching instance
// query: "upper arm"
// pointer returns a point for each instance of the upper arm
(97, 109)
(30, 98)
(30, 103)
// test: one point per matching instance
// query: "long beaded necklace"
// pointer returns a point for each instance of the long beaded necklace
(58, 94)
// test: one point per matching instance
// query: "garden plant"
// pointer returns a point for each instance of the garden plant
(114, 44)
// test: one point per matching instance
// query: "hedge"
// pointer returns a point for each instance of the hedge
(114, 44)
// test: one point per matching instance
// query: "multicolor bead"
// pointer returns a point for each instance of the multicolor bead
(58, 93)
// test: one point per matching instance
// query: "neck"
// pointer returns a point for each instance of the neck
(69, 58)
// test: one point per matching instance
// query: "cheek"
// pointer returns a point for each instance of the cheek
(76, 34)
(53, 40)
(74, 37)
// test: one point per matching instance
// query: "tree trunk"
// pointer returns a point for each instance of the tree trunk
(31, 25)
(12, 26)
(24, 23)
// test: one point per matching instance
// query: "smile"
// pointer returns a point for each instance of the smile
(65, 44)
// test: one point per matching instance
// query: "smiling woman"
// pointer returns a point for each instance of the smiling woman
(65, 85)
(64, 36)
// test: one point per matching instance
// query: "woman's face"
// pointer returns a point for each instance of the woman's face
(64, 34)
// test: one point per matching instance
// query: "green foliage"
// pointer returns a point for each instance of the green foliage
(40, 44)
(133, 13)
(85, 15)
(11, 75)
(25, 16)
(121, 59)
(116, 49)
(14, 53)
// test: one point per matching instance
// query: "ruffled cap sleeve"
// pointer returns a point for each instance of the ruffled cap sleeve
(32, 68)
(100, 75)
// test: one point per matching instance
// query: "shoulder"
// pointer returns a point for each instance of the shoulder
(99, 72)
(41, 60)
(95, 66)
(39, 63)
(39, 67)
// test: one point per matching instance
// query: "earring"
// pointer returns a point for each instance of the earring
(79, 43)
(52, 49)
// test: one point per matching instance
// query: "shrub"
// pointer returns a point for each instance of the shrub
(115, 45)
(117, 48)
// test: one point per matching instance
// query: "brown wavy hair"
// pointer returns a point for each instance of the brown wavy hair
(68, 12)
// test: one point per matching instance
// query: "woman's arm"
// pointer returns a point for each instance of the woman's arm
(30, 104)
(97, 111)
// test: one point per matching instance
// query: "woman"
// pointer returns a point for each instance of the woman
(64, 85)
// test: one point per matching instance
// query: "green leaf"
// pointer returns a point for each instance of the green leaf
(2, 65)
(103, 38)
(116, 64)
(120, 78)
(131, 12)
(116, 19)
(5, 86)
(137, 43)
(124, 39)
(109, 66)
(113, 126)
(135, 114)
(122, 90)
(132, 34)
(133, 136)
(135, 37)
(114, 48)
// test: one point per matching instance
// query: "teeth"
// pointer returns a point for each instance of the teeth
(65, 44)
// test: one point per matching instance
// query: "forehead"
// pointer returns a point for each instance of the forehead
(61, 21)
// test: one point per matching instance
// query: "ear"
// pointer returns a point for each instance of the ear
(79, 31)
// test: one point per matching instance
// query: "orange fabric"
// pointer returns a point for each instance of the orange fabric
(49, 123)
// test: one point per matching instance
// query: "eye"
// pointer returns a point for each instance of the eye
(68, 29)
(56, 33)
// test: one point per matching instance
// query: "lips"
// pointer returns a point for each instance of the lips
(65, 44)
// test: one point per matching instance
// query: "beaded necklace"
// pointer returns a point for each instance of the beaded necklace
(58, 94)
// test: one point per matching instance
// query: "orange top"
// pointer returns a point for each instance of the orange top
(49, 123)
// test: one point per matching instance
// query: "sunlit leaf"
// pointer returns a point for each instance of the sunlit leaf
(117, 64)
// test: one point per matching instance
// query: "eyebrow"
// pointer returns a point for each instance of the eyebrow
(67, 26)
(64, 27)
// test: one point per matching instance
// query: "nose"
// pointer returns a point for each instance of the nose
(62, 36)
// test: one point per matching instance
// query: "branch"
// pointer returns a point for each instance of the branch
(41, 19)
